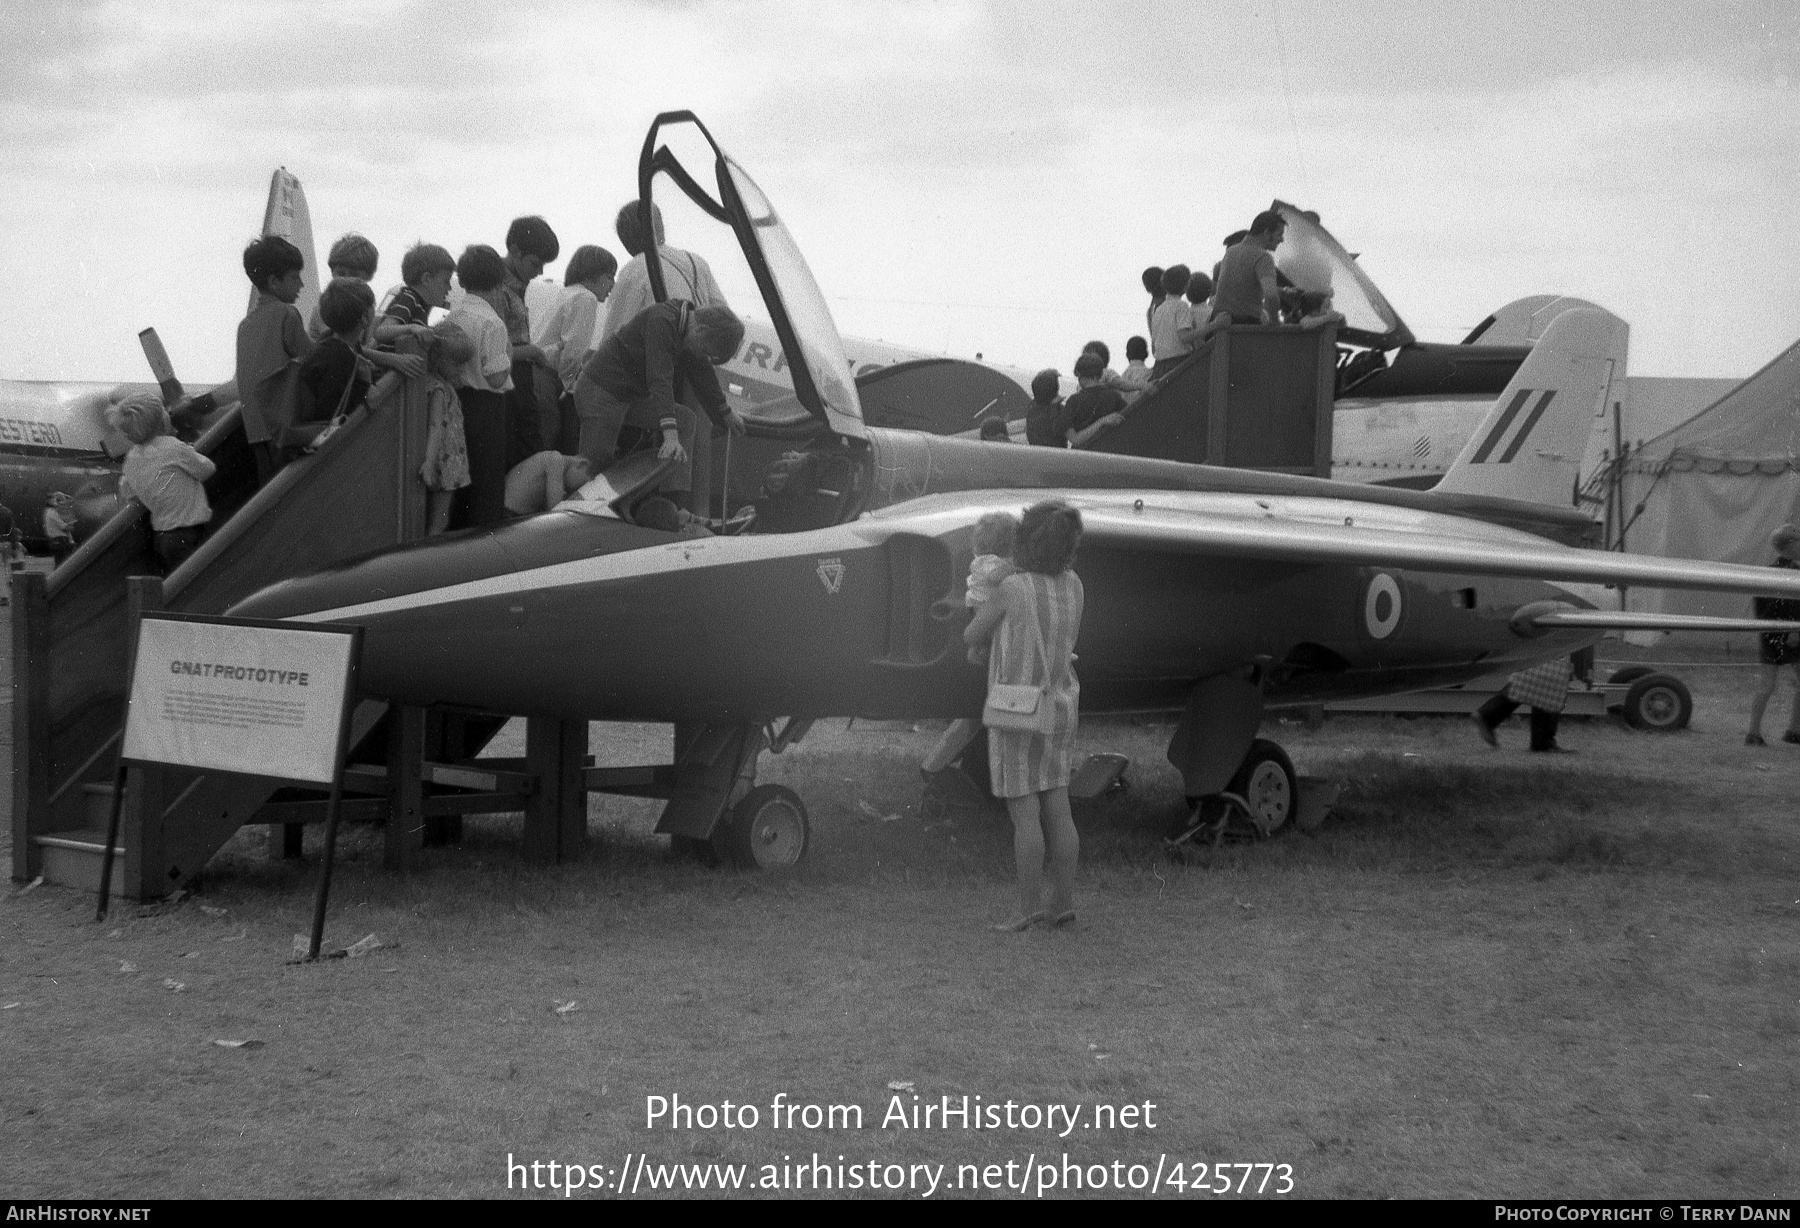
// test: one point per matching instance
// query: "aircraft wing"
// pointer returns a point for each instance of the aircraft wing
(1336, 531)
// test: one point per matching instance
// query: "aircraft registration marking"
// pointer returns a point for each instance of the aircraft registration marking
(23, 430)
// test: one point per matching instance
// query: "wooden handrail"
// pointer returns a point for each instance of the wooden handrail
(271, 495)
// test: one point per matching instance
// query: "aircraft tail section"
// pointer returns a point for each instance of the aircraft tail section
(1530, 445)
(287, 215)
(1523, 321)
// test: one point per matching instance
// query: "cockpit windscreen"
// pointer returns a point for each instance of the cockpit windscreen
(821, 348)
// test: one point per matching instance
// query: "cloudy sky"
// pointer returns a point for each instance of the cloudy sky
(964, 177)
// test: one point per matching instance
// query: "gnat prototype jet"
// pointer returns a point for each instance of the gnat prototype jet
(1215, 593)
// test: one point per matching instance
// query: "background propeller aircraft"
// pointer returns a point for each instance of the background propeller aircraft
(1405, 407)
(1216, 593)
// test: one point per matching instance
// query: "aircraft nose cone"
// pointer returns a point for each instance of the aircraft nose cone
(363, 590)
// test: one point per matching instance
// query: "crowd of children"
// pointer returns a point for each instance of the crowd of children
(497, 401)
(1100, 401)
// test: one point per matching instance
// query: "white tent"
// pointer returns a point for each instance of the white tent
(1716, 486)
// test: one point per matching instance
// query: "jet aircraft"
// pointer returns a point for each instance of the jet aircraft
(1215, 593)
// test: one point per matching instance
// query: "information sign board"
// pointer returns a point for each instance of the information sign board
(234, 695)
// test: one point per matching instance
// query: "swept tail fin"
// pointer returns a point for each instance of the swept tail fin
(1530, 445)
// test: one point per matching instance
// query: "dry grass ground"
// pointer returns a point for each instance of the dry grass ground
(1490, 975)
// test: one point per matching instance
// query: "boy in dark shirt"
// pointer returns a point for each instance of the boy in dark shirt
(1047, 421)
(426, 269)
(355, 258)
(632, 376)
(1095, 407)
(530, 245)
(1153, 283)
(333, 372)
(269, 338)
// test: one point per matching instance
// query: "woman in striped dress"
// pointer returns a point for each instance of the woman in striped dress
(1031, 625)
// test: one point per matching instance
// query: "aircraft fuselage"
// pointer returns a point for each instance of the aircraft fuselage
(573, 615)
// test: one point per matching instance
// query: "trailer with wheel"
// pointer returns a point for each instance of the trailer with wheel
(1644, 696)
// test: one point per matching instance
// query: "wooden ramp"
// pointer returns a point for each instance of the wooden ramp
(71, 631)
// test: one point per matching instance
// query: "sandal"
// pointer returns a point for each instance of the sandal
(1018, 925)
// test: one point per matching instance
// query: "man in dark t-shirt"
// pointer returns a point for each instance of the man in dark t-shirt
(632, 377)
(1246, 288)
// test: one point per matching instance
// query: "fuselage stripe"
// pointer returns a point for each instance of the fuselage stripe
(1499, 432)
(644, 561)
(1532, 421)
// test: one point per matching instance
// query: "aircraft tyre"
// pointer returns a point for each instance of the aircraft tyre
(767, 830)
(1268, 786)
(1659, 703)
(1624, 677)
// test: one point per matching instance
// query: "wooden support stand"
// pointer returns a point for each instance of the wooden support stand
(30, 721)
(141, 821)
(556, 813)
(405, 832)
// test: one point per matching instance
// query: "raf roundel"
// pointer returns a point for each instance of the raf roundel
(1381, 605)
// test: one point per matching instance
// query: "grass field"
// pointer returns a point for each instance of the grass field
(1491, 974)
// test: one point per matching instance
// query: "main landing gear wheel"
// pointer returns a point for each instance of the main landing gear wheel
(767, 829)
(1268, 787)
(1659, 703)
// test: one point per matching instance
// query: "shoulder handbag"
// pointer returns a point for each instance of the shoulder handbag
(1023, 707)
(308, 436)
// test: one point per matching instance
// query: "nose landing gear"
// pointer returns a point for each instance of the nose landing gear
(766, 829)
(716, 810)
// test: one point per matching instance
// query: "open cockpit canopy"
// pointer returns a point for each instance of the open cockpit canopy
(1313, 260)
(803, 323)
